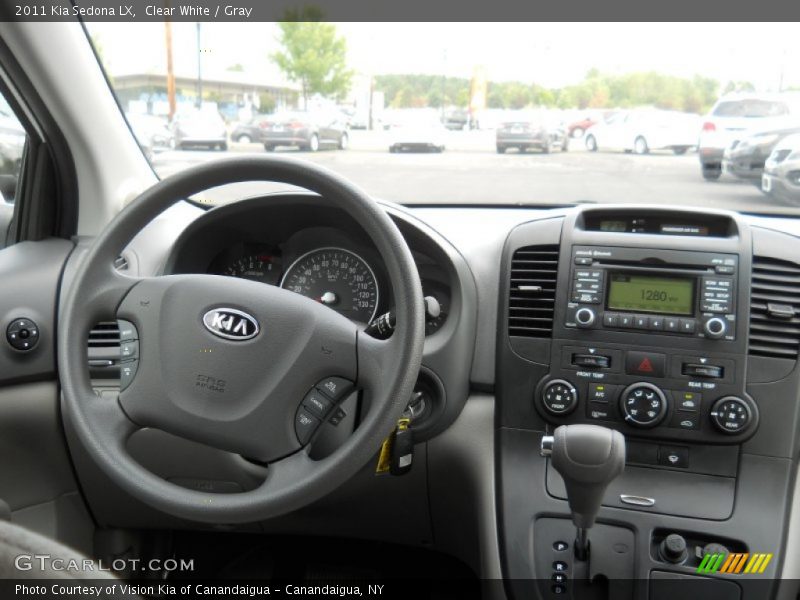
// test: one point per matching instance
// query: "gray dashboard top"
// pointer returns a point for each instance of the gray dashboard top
(478, 234)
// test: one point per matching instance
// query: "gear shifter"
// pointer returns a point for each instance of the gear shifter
(588, 458)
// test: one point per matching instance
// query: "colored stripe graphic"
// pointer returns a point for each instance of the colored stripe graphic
(704, 563)
(735, 563)
(767, 558)
(727, 564)
(711, 563)
(740, 564)
(753, 561)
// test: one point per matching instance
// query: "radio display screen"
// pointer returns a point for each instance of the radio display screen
(643, 293)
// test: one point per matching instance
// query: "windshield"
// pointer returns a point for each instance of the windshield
(471, 113)
(750, 109)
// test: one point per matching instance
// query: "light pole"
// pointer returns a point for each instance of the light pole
(170, 72)
(444, 81)
(199, 70)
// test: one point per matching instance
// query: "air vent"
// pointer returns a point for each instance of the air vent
(121, 263)
(775, 308)
(532, 297)
(104, 345)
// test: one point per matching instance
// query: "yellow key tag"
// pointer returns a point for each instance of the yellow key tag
(385, 456)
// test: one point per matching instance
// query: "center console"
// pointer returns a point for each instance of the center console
(642, 321)
(647, 342)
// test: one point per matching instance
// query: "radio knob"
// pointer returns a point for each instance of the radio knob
(584, 317)
(643, 405)
(715, 328)
(559, 397)
(731, 415)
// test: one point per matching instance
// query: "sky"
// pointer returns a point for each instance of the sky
(549, 54)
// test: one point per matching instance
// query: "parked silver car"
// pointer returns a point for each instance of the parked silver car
(200, 128)
(781, 177)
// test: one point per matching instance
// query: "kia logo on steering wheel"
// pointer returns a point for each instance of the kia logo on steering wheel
(231, 324)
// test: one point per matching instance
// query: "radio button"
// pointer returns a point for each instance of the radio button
(656, 323)
(587, 298)
(641, 322)
(715, 328)
(724, 269)
(591, 275)
(716, 307)
(688, 325)
(626, 321)
(583, 260)
(672, 324)
(610, 320)
(648, 364)
(584, 317)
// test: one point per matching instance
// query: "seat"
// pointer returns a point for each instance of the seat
(19, 548)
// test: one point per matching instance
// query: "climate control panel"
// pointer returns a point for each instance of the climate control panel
(661, 393)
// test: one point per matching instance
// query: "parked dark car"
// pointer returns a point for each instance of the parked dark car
(251, 131)
(745, 158)
(305, 130)
(531, 130)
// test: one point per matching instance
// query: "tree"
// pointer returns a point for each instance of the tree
(266, 102)
(314, 56)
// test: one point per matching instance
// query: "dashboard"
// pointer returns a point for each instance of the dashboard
(326, 258)
(679, 328)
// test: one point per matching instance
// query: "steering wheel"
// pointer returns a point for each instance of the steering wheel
(227, 362)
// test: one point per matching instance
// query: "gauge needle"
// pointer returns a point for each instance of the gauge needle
(328, 298)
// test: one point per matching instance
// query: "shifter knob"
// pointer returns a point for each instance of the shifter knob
(588, 458)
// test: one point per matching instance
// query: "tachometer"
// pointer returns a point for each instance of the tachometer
(257, 267)
(337, 278)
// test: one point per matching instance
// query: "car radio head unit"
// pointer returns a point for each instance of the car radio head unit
(661, 291)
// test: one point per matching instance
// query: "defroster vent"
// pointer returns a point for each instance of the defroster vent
(775, 308)
(532, 297)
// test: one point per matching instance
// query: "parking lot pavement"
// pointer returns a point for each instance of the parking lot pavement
(470, 171)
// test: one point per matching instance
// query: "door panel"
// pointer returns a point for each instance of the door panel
(36, 477)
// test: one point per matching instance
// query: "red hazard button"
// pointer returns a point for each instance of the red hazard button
(647, 364)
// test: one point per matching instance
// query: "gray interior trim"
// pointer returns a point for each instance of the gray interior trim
(36, 480)
(462, 488)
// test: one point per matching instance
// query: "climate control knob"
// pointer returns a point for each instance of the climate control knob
(559, 397)
(584, 317)
(715, 328)
(643, 405)
(731, 415)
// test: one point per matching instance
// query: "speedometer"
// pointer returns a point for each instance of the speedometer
(337, 278)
